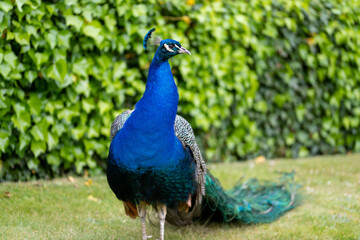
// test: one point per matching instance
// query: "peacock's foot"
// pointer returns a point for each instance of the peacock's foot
(161, 208)
(142, 213)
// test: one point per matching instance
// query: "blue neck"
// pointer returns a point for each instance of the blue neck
(161, 95)
(148, 134)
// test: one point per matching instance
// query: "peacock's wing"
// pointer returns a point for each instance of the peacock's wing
(175, 216)
(119, 122)
(185, 133)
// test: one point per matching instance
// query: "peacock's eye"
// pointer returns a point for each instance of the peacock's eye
(171, 45)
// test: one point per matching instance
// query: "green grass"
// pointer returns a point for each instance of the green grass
(61, 209)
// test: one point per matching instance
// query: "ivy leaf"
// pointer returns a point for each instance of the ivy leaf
(22, 122)
(51, 37)
(71, 2)
(40, 130)
(6, 5)
(4, 140)
(78, 132)
(24, 141)
(37, 133)
(119, 70)
(31, 76)
(67, 114)
(91, 145)
(91, 163)
(300, 112)
(37, 148)
(104, 106)
(4, 104)
(303, 152)
(79, 165)
(5, 69)
(93, 133)
(64, 38)
(19, 108)
(20, 3)
(52, 141)
(78, 153)
(66, 152)
(72, 94)
(51, 8)
(32, 30)
(58, 70)
(110, 22)
(35, 103)
(357, 146)
(139, 10)
(41, 58)
(75, 21)
(88, 105)
(22, 38)
(83, 87)
(93, 30)
(80, 67)
(51, 106)
(11, 59)
(58, 129)
(53, 159)
(33, 163)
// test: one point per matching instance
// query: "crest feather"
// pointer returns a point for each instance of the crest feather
(151, 39)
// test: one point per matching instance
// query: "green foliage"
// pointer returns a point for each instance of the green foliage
(277, 78)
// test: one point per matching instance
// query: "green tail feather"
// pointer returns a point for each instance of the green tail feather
(250, 202)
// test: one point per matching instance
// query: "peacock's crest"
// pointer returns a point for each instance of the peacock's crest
(151, 39)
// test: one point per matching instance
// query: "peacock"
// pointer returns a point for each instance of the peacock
(154, 160)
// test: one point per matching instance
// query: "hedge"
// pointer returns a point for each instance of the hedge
(274, 78)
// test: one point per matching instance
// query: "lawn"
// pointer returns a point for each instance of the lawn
(82, 208)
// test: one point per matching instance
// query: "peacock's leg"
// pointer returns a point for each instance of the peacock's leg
(142, 214)
(161, 208)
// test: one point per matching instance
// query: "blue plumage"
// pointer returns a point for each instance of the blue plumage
(154, 159)
(148, 141)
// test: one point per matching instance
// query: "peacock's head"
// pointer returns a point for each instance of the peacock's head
(168, 47)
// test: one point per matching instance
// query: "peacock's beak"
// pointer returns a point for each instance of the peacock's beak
(184, 50)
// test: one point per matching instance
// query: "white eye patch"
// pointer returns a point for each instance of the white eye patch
(168, 48)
